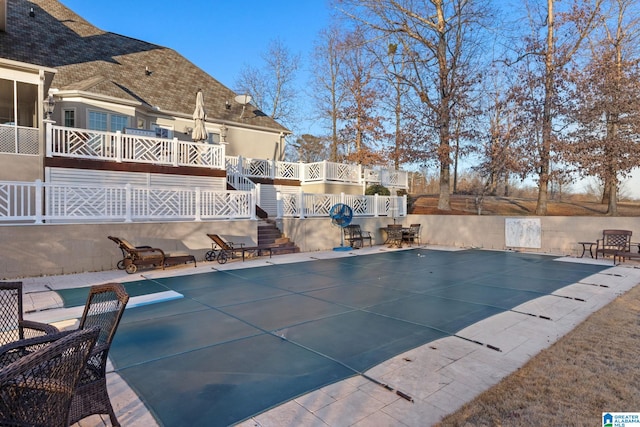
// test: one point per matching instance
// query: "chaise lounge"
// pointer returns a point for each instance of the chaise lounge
(221, 250)
(145, 256)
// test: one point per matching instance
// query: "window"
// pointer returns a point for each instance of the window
(69, 118)
(7, 102)
(18, 103)
(97, 120)
(118, 123)
(161, 131)
(214, 138)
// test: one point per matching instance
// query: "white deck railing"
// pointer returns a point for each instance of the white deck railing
(119, 147)
(315, 172)
(301, 205)
(38, 202)
(116, 146)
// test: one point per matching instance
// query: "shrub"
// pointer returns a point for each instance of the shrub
(377, 189)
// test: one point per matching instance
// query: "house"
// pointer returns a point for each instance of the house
(109, 82)
(121, 112)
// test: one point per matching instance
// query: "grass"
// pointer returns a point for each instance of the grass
(591, 370)
(494, 205)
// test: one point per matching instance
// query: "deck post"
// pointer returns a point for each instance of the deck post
(174, 150)
(39, 200)
(119, 149)
(301, 204)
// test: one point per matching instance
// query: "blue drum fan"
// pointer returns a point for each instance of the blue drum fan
(341, 215)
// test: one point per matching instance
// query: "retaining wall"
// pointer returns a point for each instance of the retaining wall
(51, 249)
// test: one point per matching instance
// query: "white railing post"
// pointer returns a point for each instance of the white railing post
(272, 175)
(39, 202)
(128, 203)
(252, 203)
(240, 166)
(221, 163)
(258, 194)
(174, 150)
(301, 204)
(325, 167)
(404, 204)
(376, 201)
(48, 138)
(198, 213)
(119, 149)
(279, 207)
(342, 198)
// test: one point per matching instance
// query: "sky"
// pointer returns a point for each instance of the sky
(219, 36)
(224, 36)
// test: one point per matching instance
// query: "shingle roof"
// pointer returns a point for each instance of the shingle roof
(105, 63)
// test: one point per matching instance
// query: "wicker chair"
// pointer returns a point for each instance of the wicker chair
(37, 386)
(104, 308)
(13, 327)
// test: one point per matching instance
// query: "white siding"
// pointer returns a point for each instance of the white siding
(86, 176)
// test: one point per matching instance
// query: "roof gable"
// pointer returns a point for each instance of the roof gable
(105, 63)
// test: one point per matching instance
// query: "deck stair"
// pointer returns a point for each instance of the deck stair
(270, 235)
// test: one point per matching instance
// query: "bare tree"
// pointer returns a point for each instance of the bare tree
(438, 37)
(498, 159)
(328, 59)
(550, 46)
(272, 86)
(606, 107)
(362, 123)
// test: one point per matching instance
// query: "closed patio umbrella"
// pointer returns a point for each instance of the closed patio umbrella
(199, 133)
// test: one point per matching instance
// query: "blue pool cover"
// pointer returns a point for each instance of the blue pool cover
(243, 341)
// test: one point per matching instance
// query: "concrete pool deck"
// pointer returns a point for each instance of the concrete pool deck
(427, 382)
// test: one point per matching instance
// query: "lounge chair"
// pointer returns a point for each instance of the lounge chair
(125, 255)
(13, 327)
(145, 256)
(38, 377)
(103, 309)
(222, 250)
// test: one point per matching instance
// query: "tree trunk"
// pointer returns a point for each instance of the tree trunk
(444, 117)
(612, 209)
(606, 192)
(398, 108)
(444, 199)
(545, 152)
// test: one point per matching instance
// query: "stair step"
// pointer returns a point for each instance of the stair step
(269, 234)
